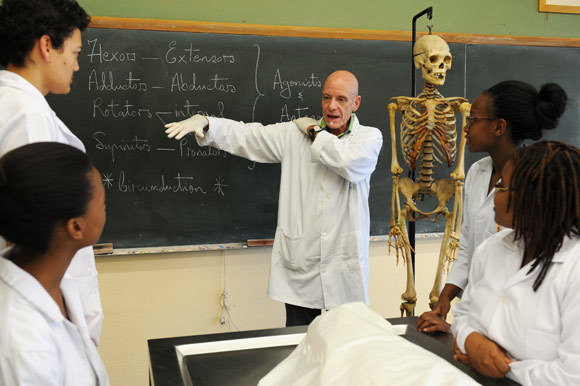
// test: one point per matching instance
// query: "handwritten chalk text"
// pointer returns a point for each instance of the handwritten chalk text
(106, 82)
(286, 86)
(182, 184)
(99, 56)
(117, 110)
(136, 144)
(191, 55)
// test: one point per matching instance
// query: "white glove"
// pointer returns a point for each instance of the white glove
(195, 124)
(305, 123)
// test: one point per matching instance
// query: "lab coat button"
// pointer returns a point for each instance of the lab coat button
(328, 196)
(505, 299)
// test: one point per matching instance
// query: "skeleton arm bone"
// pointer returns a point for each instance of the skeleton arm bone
(456, 102)
(395, 167)
(396, 236)
(402, 102)
(458, 176)
(459, 172)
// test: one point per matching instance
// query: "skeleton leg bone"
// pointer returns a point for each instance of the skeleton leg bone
(410, 295)
(434, 294)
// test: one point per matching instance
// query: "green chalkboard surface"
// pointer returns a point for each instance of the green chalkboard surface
(164, 192)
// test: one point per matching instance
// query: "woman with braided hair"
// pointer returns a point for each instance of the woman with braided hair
(518, 316)
(52, 203)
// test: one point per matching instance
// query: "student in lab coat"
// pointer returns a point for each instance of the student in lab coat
(501, 118)
(518, 316)
(52, 203)
(40, 41)
(321, 247)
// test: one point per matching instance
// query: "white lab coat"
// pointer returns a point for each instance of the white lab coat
(539, 330)
(26, 117)
(321, 247)
(38, 345)
(478, 221)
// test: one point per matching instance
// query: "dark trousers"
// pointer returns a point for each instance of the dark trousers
(300, 316)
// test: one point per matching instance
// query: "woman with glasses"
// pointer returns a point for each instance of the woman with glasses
(501, 118)
(518, 316)
(52, 204)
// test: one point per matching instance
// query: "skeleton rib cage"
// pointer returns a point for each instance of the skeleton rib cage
(428, 136)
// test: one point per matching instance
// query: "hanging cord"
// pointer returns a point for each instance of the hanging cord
(225, 308)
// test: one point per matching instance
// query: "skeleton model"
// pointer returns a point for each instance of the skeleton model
(428, 134)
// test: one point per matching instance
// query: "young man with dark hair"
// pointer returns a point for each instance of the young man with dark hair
(40, 41)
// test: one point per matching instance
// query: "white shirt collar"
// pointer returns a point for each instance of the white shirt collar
(567, 245)
(12, 79)
(28, 287)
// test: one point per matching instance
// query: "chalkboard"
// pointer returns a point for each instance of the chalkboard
(164, 192)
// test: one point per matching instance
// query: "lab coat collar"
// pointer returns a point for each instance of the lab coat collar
(12, 79)
(570, 247)
(523, 273)
(568, 244)
(507, 237)
(29, 288)
(15, 81)
(74, 308)
(74, 305)
(514, 259)
(486, 164)
(486, 167)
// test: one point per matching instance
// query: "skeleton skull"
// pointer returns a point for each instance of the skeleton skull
(431, 54)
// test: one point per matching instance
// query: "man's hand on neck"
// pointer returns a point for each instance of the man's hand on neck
(338, 132)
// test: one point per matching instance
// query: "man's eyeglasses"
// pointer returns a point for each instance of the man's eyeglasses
(499, 187)
(469, 119)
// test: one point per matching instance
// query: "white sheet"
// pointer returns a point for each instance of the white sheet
(353, 345)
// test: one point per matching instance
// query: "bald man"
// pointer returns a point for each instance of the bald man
(321, 247)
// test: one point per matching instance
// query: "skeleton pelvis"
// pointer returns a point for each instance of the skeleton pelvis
(442, 189)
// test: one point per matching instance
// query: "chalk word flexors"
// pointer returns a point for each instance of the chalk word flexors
(98, 55)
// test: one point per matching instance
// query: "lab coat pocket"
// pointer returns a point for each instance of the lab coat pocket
(542, 345)
(290, 250)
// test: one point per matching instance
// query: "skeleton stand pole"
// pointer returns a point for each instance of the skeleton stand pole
(429, 12)
(411, 224)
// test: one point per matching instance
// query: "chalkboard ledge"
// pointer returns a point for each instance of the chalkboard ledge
(422, 236)
(240, 245)
(178, 248)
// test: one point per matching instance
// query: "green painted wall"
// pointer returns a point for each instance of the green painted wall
(493, 17)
